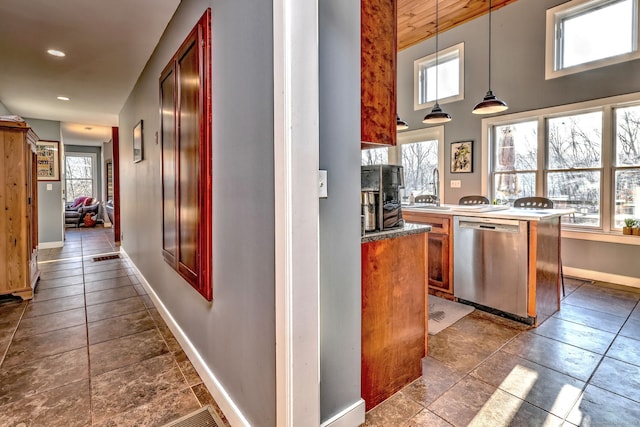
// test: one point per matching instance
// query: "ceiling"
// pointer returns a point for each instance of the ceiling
(107, 44)
(417, 18)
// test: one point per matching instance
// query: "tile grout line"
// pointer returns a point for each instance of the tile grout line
(13, 334)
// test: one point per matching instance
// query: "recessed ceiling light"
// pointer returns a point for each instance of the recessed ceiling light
(54, 52)
(88, 128)
(63, 98)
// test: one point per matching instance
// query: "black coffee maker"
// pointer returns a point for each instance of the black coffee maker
(380, 196)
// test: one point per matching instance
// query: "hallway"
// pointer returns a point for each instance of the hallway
(90, 349)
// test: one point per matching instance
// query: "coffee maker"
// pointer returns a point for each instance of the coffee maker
(380, 197)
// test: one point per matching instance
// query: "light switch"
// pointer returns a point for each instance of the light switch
(49, 187)
(455, 183)
(322, 184)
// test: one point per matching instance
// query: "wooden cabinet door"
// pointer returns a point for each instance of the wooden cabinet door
(378, 72)
(439, 268)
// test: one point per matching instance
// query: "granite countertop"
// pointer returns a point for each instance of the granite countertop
(406, 230)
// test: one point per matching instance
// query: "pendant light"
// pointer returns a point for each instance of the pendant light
(401, 124)
(436, 115)
(490, 103)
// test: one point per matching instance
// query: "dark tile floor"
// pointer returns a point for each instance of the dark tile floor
(579, 367)
(90, 349)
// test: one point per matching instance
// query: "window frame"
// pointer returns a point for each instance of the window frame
(431, 59)
(553, 42)
(94, 172)
(606, 231)
(433, 133)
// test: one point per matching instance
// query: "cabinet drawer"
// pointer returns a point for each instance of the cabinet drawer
(439, 224)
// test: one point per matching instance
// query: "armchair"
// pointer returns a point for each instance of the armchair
(74, 212)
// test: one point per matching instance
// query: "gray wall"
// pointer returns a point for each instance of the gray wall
(235, 334)
(517, 75)
(50, 219)
(340, 303)
(3, 109)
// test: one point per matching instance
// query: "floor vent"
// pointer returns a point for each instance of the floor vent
(105, 258)
(203, 417)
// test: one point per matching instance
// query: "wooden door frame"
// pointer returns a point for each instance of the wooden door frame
(116, 184)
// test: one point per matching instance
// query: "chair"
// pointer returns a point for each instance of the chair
(473, 200)
(426, 198)
(533, 203)
(538, 203)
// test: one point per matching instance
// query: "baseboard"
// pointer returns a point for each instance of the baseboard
(352, 416)
(50, 245)
(220, 395)
(602, 277)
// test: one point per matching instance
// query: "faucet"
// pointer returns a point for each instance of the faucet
(436, 186)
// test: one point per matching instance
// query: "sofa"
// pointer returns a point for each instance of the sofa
(74, 212)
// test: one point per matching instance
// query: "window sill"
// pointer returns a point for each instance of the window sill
(611, 237)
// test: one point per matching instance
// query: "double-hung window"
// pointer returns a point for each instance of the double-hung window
(80, 175)
(450, 77)
(626, 170)
(586, 34)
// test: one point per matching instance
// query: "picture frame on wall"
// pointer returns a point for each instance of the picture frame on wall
(462, 157)
(48, 160)
(138, 141)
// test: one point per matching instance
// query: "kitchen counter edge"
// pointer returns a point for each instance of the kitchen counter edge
(406, 230)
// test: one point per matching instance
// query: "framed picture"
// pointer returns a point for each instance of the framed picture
(462, 157)
(138, 142)
(48, 159)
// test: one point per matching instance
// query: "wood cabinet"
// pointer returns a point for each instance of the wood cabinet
(18, 210)
(378, 72)
(394, 315)
(439, 252)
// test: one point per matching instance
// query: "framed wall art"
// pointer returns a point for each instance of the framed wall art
(138, 142)
(48, 159)
(462, 157)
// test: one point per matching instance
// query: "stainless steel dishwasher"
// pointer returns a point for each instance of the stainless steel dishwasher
(490, 263)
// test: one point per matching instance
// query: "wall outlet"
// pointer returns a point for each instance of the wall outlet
(49, 187)
(455, 183)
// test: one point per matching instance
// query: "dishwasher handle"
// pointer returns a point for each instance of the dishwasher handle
(499, 227)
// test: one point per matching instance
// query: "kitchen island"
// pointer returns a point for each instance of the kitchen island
(394, 310)
(533, 257)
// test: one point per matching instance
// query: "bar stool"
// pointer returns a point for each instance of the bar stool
(473, 200)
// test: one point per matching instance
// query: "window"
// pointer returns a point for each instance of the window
(627, 164)
(516, 161)
(185, 127)
(584, 156)
(80, 175)
(450, 77)
(574, 152)
(417, 151)
(586, 34)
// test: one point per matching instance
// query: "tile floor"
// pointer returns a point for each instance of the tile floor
(579, 367)
(90, 349)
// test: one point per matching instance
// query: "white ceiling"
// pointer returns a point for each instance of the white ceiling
(107, 43)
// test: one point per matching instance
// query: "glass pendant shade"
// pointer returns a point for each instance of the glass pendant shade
(401, 124)
(436, 116)
(490, 104)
